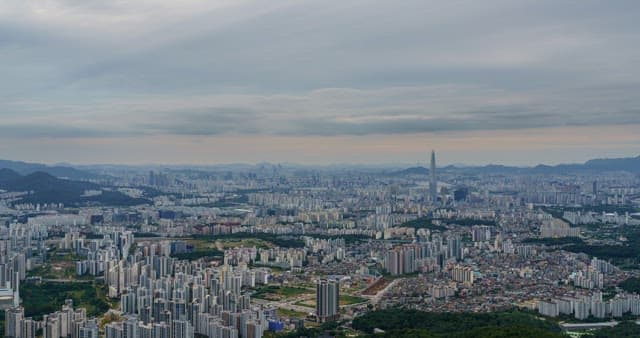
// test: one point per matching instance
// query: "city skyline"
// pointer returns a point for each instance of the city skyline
(279, 169)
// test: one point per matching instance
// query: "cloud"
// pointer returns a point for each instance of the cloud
(55, 131)
(86, 69)
(332, 112)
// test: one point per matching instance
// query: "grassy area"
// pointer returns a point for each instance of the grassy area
(199, 254)
(226, 243)
(59, 265)
(344, 300)
(48, 297)
(274, 269)
(63, 256)
(57, 271)
(310, 303)
(274, 292)
(348, 300)
(291, 314)
(277, 240)
(48, 271)
(247, 243)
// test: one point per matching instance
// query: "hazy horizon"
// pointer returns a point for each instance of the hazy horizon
(399, 164)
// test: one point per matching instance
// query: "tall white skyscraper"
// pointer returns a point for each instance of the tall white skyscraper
(433, 182)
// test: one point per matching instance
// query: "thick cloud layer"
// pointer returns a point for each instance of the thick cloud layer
(83, 68)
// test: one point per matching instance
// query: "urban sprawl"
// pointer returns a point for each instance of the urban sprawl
(255, 251)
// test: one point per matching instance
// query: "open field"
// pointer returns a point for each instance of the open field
(344, 300)
(266, 240)
(228, 243)
(59, 265)
(378, 285)
(291, 314)
(348, 300)
(273, 292)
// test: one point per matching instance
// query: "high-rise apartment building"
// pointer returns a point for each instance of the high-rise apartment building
(327, 300)
(462, 274)
(13, 316)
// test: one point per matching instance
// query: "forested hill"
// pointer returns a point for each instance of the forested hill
(41, 187)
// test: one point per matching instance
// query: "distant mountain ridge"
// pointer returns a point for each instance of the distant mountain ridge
(411, 171)
(26, 168)
(87, 172)
(45, 188)
(628, 164)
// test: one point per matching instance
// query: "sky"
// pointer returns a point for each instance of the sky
(516, 82)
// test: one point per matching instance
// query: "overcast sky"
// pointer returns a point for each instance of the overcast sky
(204, 81)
